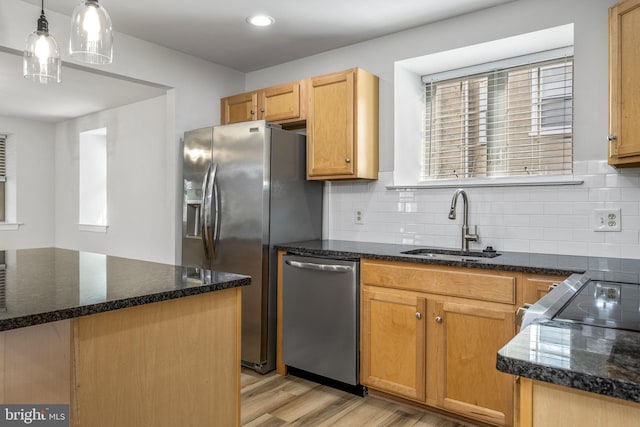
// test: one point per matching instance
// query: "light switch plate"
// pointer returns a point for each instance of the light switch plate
(607, 220)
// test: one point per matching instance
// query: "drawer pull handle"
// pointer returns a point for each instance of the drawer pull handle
(418, 315)
(438, 319)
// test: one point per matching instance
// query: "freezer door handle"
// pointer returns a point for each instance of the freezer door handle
(204, 214)
(322, 267)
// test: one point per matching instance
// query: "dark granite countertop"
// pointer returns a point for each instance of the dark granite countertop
(50, 284)
(590, 358)
(627, 270)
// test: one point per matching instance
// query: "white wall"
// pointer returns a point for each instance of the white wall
(192, 103)
(528, 219)
(139, 207)
(31, 169)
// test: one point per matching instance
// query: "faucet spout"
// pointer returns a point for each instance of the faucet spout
(466, 236)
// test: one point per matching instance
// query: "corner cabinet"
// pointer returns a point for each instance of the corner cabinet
(624, 84)
(280, 104)
(342, 126)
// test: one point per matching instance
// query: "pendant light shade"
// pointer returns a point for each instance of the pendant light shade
(41, 58)
(91, 38)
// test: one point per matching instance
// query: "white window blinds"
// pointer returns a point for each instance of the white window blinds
(3, 174)
(512, 121)
(3, 158)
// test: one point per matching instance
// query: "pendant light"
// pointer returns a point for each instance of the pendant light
(41, 58)
(91, 38)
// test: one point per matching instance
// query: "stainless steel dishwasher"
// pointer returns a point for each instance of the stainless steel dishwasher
(320, 311)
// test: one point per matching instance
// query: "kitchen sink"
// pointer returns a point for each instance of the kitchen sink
(451, 254)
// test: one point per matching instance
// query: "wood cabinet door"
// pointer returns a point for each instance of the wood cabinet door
(393, 344)
(239, 108)
(467, 339)
(624, 85)
(537, 286)
(330, 125)
(281, 102)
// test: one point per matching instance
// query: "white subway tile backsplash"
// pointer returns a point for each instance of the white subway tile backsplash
(622, 181)
(605, 194)
(631, 194)
(551, 219)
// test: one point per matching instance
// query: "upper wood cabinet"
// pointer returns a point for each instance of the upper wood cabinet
(624, 84)
(280, 104)
(342, 126)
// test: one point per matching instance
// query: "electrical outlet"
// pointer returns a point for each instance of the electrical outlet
(607, 220)
(358, 216)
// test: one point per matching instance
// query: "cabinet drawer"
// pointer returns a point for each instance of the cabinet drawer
(485, 285)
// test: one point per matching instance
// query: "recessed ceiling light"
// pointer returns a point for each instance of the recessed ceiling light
(260, 20)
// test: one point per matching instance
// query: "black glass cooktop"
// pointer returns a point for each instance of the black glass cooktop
(605, 304)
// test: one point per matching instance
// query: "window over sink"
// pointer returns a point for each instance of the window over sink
(495, 113)
(515, 120)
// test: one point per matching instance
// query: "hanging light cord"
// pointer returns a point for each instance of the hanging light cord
(43, 25)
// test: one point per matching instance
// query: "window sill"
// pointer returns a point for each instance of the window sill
(490, 182)
(10, 226)
(93, 228)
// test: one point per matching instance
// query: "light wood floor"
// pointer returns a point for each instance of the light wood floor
(274, 400)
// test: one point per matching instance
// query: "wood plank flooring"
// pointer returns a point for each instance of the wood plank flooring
(273, 400)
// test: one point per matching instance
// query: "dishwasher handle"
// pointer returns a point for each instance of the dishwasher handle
(322, 267)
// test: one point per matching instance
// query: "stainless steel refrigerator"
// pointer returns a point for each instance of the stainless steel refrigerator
(245, 190)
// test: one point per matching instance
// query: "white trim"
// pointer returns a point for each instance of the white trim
(10, 226)
(499, 65)
(93, 228)
(491, 182)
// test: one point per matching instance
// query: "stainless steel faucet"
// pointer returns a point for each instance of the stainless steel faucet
(466, 237)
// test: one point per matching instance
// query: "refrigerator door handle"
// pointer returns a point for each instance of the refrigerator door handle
(204, 229)
(323, 267)
(217, 206)
(211, 228)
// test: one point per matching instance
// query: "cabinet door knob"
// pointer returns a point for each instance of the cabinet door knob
(418, 315)
(252, 112)
(262, 110)
(611, 137)
(347, 160)
(438, 319)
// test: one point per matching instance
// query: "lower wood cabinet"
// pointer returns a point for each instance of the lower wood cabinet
(394, 336)
(536, 286)
(544, 405)
(420, 340)
(463, 350)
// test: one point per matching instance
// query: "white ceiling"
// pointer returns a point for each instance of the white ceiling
(217, 31)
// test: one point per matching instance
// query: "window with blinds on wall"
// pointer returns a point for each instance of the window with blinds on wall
(3, 174)
(510, 121)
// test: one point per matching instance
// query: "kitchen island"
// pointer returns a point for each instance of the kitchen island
(121, 341)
